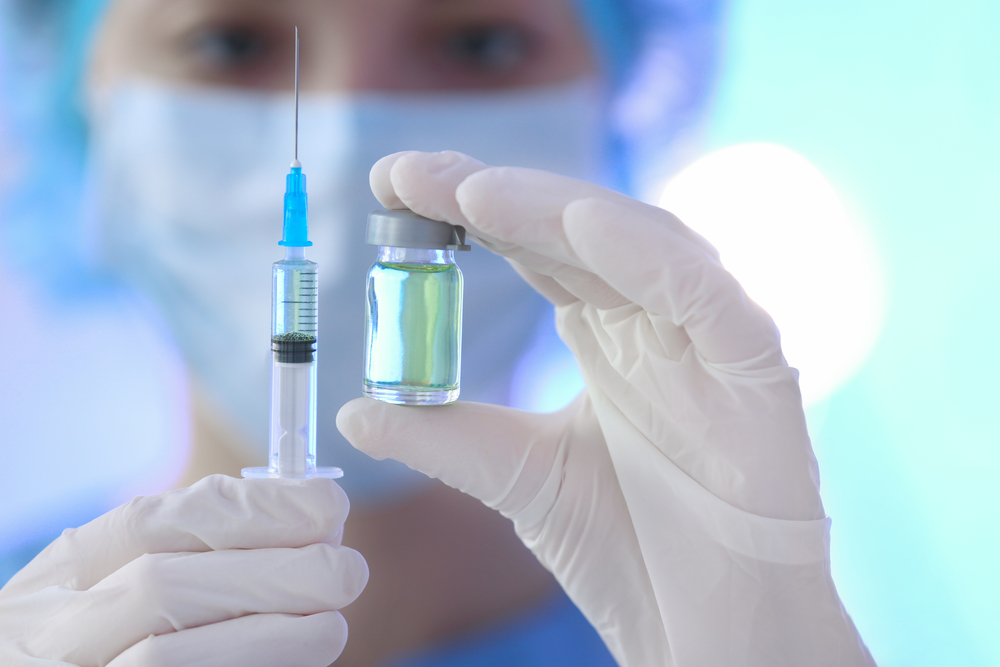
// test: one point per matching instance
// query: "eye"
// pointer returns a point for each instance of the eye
(228, 48)
(493, 49)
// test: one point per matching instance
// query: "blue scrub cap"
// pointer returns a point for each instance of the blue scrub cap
(45, 43)
(659, 57)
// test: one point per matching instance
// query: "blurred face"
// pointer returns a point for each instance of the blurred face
(387, 45)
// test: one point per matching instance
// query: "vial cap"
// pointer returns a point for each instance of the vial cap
(405, 229)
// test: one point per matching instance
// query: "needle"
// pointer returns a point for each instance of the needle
(296, 93)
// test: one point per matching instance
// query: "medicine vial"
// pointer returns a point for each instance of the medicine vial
(413, 324)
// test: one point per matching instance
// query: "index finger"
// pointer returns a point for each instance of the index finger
(596, 243)
(427, 184)
(515, 212)
(509, 207)
(218, 512)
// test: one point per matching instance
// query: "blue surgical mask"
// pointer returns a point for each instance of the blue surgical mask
(187, 186)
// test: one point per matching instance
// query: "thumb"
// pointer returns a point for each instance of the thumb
(499, 455)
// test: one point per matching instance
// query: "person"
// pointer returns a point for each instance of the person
(675, 501)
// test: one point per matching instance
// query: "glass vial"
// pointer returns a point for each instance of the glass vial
(413, 328)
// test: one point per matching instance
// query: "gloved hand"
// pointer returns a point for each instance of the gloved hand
(229, 572)
(676, 500)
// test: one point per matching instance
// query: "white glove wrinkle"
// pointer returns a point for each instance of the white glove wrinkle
(55, 638)
(545, 285)
(586, 512)
(259, 640)
(673, 339)
(640, 356)
(535, 516)
(588, 287)
(615, 360)
(147, 582)
(496, 245)
(676, 406)
(698, 520)
(579, 284)
(157, 594)
(509, 499)
(669, 275)
(530, 492)
(774, 540)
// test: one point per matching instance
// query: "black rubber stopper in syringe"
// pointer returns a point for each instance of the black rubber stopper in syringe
(293, 347)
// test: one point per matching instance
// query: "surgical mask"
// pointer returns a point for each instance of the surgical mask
(187, 190)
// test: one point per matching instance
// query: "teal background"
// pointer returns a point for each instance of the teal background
(898, 104)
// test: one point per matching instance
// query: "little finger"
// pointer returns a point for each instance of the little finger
(258, 640)
(162, 593)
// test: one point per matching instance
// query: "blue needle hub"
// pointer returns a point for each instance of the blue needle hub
(296, 229)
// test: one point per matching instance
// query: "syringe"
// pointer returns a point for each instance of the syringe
(292, 451)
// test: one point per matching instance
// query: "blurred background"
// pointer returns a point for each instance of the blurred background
(897, 105)
(850, 180)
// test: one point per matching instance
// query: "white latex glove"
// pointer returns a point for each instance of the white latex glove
(229, 572)
(676, 500)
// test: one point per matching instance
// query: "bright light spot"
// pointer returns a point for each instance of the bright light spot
(782, 231)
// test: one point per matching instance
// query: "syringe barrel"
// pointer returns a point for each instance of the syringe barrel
(293, 373)
(293, 418)
(294, 299)
(293, 370)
